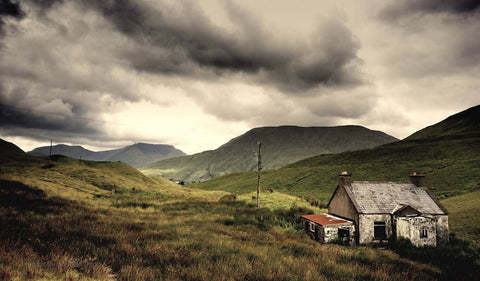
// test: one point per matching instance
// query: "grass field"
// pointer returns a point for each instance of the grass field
(106, 221)
(464, 215)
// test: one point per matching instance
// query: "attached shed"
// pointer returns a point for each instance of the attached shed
(326, 228)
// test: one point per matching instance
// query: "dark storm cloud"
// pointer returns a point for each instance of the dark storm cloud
(188, 43)
(14, 116)
(9, 9)
(52, 80)
(54, 115)
(191, 37)
(404, 8)
(442, 37)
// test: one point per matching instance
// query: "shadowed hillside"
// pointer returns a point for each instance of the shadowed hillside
(10, 152)
(280, 146)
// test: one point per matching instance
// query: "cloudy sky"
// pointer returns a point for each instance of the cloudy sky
(194, 74)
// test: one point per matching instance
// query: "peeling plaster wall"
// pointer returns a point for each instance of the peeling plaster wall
(366, 229)
(330, 232)
(412, 227)
(442, 229)
(306, 226)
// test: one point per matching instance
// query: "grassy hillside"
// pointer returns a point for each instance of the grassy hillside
(464, 215)
(136, 155)
(450, 166)
(280, 146)
(462, 123)
(61, 220)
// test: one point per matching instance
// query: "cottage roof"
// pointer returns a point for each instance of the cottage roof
(386, 197)
(324, 219)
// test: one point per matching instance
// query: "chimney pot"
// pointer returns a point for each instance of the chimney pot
(417, 179)
(344, 179)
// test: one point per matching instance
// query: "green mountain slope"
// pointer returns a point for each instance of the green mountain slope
(464, 215)
(136, 155)
(280, 146)
(465, 122)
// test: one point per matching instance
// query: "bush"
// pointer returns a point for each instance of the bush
(457, 258)
(337, 241)
(228, 198)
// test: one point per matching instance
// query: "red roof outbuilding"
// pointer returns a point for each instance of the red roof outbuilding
(324, 219)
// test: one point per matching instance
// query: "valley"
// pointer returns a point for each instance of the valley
(83, 220)
(106, 221)
(234, 140)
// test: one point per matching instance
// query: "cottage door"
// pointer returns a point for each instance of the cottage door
(344, 235)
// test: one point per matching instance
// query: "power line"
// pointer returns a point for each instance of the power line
(259, 168)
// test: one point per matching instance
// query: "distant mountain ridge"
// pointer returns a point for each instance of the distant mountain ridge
(136, 155)
(280, 146)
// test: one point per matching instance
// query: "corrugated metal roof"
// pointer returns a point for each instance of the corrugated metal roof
(384, 197)
(325, 219)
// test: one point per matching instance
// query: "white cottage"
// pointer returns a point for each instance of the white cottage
(381, 210)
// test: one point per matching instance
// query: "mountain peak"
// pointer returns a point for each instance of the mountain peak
(282, 145)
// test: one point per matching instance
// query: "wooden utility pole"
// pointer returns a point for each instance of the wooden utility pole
(259, 168)
(51, 142)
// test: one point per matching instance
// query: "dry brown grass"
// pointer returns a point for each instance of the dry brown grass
(68, 228)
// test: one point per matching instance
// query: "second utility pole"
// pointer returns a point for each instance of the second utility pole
(259, 168)
(50, 154)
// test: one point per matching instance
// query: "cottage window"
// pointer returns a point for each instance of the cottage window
(312, 227)
(379, 230)
(423, 233)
